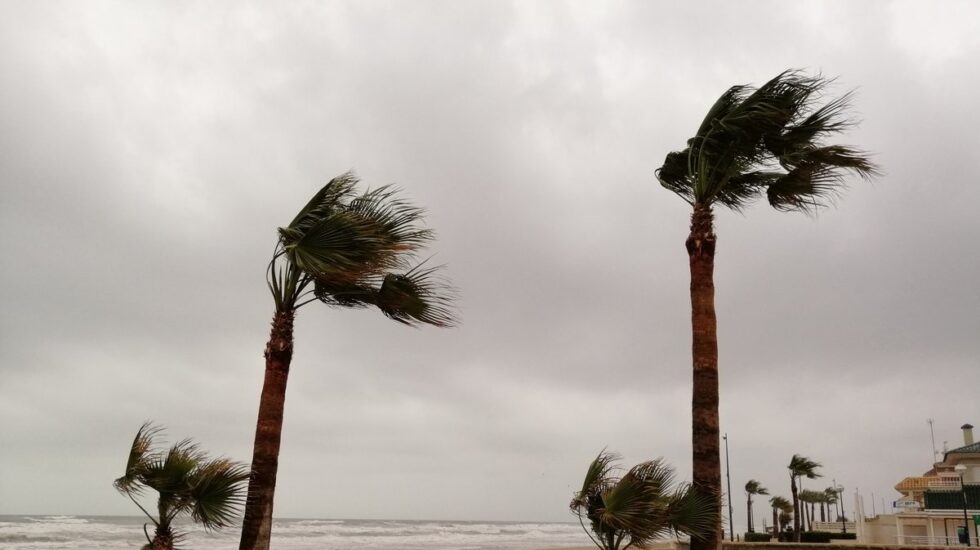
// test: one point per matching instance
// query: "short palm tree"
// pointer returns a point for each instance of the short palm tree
(753, 487)
(800, 466)
(345, 250)
(753, 142)
(187, 482)
(809, 499)
(780, 506)
(830, 494)
(639, 507)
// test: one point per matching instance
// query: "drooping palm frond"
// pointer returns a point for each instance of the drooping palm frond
(768, 140)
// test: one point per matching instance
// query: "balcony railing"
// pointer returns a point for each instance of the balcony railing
(925, 483)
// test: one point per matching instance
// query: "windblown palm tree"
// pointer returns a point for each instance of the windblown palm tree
(638, 507)
(809, 499)
(211, 491)
(800, 466)
(830, 493)
(780, 506)
(753, 487)
(752, 142)
(345, 250)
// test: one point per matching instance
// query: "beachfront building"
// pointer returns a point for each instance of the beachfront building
(931, 508)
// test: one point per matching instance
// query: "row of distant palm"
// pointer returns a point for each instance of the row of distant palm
(802, 510)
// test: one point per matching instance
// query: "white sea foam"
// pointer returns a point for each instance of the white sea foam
(111, 533)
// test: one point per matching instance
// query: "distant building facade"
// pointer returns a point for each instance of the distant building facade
(931, 508)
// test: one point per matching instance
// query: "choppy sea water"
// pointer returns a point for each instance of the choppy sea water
(110, 532)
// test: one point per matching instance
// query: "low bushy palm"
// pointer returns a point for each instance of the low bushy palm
(188, 482)
(638, 507)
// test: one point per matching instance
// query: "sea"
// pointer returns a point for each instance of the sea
(39, 532)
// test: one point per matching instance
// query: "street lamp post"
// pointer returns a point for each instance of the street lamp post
(728, 474)
(960, 468)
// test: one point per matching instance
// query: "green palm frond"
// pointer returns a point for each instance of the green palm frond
(358, 250)
(830, 493)
(418, 296)
(691, 512)
(781, 503)
(803, 466)
(753, 487)
(638, 507)
(597, 478)
(187, 482)
(336, 192)
(140, 456)
(217, 492)
(768, 140)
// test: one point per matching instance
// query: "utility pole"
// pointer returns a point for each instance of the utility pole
(728, 474)
(932, 432)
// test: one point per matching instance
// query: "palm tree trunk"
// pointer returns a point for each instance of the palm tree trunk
(775, 523)
(257, 523)
(705, 445)
(796, 508)
(163, 538)
(748, 513)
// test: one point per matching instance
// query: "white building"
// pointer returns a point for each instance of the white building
(932, 505)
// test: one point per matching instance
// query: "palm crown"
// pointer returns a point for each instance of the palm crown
(187, 481)
(638, 507)
(767, 140)
(753, 487)
(801, 466)
(344, 249)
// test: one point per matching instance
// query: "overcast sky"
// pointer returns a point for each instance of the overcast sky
(148, 151)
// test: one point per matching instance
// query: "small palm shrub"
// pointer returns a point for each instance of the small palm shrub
(210, 490)
(639, 506)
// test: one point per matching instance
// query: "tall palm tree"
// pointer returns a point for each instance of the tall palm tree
(753, 487)
(187, 481)
(779, 506)
(638, 507)
(800, 466)
(346, 250)
(752, 142)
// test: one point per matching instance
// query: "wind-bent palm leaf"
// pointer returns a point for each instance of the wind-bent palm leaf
(211, 491)
(216, 491)
(638, 507)
(803, 466)
(140, 456)
(767, 140)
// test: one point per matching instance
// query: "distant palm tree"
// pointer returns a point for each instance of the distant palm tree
(830, 493)
(210, 490)
(800, 466)
(753, 487)
(811, 498)
(752, 142)
(345, 250)
(638, 507)
(780, 506)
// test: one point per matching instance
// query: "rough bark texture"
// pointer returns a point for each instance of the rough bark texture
(257, 523)
(706, 475)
